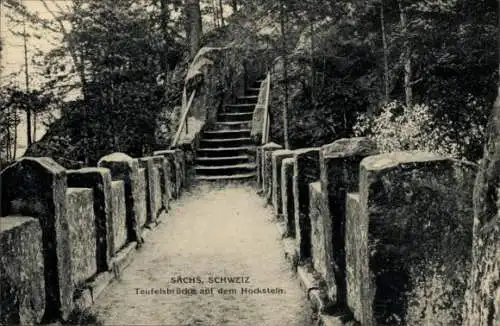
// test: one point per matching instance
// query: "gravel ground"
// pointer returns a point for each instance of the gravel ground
(210, 233)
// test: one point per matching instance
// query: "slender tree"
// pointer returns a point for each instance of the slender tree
(385, 53)
(194, 29)
(406, 55)
(284, 54)
(221, 10)
(27, 84)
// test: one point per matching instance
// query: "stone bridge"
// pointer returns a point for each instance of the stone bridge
(367, 238)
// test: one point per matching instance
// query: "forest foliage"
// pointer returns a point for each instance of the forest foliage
(411, 74)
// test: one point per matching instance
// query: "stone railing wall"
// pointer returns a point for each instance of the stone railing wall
(65, 233)
(388, 237)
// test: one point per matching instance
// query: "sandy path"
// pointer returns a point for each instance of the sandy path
(209, 233)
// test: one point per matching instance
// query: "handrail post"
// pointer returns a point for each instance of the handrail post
(183, 121)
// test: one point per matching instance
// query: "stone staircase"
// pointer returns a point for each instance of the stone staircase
(226, 151)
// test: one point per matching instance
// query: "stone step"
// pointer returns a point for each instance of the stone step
(222, 140)
(224, 160)
(225, 169)
(242, 176)
(232, 125)
(225, 151)
(235, 116)
(239, 107)
(226, 142)
(253, 89)
(247, 99)
(223, 134)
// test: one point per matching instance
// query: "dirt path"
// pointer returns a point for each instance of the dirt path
(209, 233)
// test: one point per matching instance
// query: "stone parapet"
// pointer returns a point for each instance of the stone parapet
(411, 244)
(305, 171)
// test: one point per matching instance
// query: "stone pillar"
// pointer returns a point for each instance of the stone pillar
(181, 171)
(305, 171)
(99, 180)
(119, 215)
(408, 254)
(277, 158)
(21, 267)
(126, 168)
(174, 170)
(287, 201)
(37, 187)
(339, 165)
(153, 193)
(267, 151)
(162, 164)
(258, 160)
(82, 235)
(317, 207)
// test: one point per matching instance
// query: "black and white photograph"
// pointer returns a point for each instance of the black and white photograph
(250, 162)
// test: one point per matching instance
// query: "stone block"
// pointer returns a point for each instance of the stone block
(339, 166)
(277, 158)
(22, 290)
(181, 174)
(153, 191)
(174, 170)
(413, 239)
(162, 164)
(141, 192)
(99, 180)
(316, 212)
(82, 235)
(37, 187)
(258, 161)
(267, 151)
(288, 206)
(119, 215)
(305, 171)
(355, 269)
(126, 168)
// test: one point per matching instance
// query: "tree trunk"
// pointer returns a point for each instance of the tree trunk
(386, 55)
(27, 84)
(216, 13)
(165, 17)
(234, 4)
(215, 16)
(285, 72)
(194, 26)
(221, 8)
(313, 68)
(406, 57)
